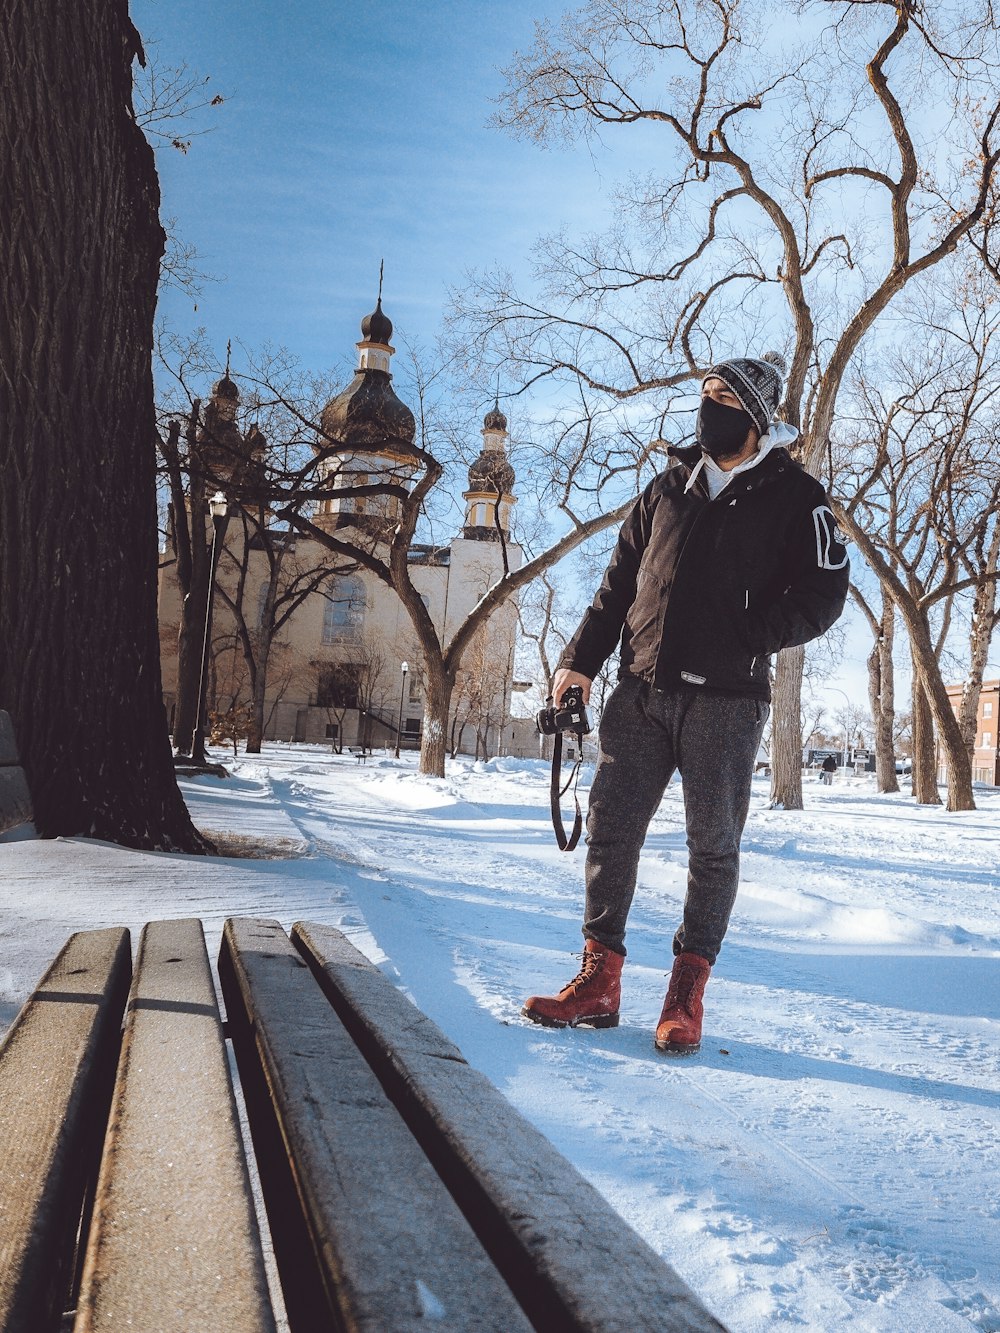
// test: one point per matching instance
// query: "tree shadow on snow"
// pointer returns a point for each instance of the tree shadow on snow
(765, 1062)
(953, 985)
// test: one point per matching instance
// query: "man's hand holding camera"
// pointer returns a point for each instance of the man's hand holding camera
(565, 708)
(564, 679)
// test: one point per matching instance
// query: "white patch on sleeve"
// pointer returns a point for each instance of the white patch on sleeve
(429, 1305)
(830, 551)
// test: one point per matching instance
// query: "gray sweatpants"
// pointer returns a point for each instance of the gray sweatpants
(645, 735)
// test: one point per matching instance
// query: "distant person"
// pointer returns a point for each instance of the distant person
(828, 768)
(727, 556)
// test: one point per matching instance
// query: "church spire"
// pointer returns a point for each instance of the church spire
(490, 496)
(374, 349)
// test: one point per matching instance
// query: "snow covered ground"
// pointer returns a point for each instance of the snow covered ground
(831, 1158)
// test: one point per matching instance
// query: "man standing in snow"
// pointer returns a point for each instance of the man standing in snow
(729, 555)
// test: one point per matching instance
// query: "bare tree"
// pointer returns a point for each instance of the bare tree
(371, 660)
(220, 451)
(852, 726)
(80, 244)
(795, 200)
(264, 608)
(169, 100)
(538, 624)
(480, 697)
(881, 685)
(399, 493)
(919, 495)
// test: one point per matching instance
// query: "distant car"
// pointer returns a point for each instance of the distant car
(904, 766)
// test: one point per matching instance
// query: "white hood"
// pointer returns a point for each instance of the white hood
(778, 435)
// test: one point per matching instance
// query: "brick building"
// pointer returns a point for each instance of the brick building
(986, 755)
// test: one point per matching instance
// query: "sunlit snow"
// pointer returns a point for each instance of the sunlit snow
(831, 1158)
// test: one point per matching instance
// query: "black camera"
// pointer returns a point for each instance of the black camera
(571, 715)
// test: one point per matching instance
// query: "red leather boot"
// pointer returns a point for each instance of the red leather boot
(679, 1029)
(592, 997)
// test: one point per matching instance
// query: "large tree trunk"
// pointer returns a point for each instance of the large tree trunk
(257, 669)
(786, 730)
(927, 669)
(192, 559)
(80, 244)
(191, 631)
(255, 729)
(925, 786)
(438, 687)
(980, 638)
(882, 697)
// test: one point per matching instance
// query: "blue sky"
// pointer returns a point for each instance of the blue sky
(353, 133)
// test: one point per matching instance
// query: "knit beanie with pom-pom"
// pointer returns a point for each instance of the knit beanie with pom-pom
(756, 383)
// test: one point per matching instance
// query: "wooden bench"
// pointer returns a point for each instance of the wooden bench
(360, 755)
(15, 800)
(402, 1191)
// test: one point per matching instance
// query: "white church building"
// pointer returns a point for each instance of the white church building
(346, 667)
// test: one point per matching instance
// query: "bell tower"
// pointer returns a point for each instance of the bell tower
(367, 437)
(489, 499)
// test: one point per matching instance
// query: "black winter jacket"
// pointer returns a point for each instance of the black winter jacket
(702, 591)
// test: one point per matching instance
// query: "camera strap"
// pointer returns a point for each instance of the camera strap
(556, 793)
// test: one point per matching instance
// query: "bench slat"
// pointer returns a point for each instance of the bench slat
(56, 1071)
(394, 1251)
(174, 1244)
(574, 1263)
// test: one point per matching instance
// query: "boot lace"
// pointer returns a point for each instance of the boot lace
(682, 984)
(591, 966)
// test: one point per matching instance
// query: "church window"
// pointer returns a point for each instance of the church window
(344, 611)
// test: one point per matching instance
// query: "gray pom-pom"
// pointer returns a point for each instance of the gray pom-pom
(777, 360)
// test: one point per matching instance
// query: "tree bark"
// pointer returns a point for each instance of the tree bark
(786, 732)
(438, 687)
(255, 729)
(189, 522)
(882, 696)
(980, 638)
(80, 243)
(925, 785)
(194, 603)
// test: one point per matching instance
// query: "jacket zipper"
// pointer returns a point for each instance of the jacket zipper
(746, 608)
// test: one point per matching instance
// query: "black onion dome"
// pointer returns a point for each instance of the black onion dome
(368, 414)
(494, 419)
(225, 388)
(491, 472)
(376, 327)
(256, 441)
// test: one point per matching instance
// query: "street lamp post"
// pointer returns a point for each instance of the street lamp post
(219, 509)
(404, 668)
(850, 705)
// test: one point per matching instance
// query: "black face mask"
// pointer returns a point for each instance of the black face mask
(722, 431)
